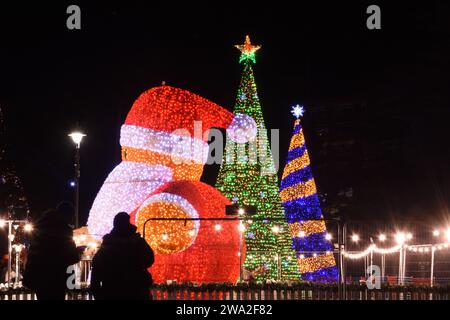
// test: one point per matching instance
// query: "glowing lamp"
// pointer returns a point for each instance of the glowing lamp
(77, 137)
(400, 238)
(28, 227)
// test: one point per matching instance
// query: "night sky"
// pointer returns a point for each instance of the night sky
(52, 78)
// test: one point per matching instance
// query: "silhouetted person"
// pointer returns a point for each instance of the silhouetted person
(119, 268)
(3, 254)
(52, 251)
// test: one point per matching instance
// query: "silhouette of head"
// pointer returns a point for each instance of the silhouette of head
(122, 223)
(66, 211)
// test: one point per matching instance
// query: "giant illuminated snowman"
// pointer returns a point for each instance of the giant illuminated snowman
(164, 148)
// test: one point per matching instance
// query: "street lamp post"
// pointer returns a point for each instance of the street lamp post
(433, 249)
(18, 249)
(400, 237)
(382, 238)
(77, 137)
(404, 265)
(241, 245)
(10, 240)
(343, 266)
(12, 224)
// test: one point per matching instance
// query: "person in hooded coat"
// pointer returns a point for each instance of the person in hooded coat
(119, 268)
(52, 251)
(3, 255)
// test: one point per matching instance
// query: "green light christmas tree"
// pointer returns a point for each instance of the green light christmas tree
(248, 177)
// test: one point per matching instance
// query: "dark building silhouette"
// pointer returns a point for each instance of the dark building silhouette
(357, 154)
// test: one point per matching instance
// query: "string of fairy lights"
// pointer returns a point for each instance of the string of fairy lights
(401, 239)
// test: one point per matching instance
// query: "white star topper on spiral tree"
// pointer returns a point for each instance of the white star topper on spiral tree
(298, 111)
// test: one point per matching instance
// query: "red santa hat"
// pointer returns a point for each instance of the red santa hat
(163, 117)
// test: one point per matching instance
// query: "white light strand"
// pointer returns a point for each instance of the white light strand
(387, 250)
(168, 143)
(415, 248)
(126, 187)
(427, 248)
(360, 254)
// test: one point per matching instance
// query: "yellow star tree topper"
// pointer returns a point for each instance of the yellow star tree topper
(248, 50)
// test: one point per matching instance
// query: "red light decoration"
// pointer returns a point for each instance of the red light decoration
(168, 109)
(214, 255)
(164, 149)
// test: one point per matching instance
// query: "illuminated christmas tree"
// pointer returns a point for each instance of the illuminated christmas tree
(248, 177)
(302, 207)
(13, 203)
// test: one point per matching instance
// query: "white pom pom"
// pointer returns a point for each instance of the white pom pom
(242, 129)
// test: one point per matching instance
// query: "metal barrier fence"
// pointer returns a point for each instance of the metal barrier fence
(263, 292)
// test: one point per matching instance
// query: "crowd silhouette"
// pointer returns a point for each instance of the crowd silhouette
(119, 268)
